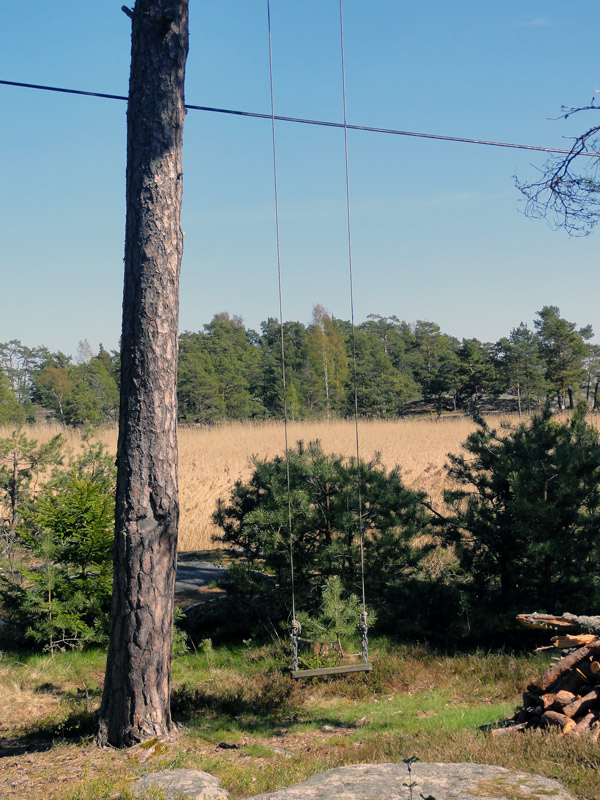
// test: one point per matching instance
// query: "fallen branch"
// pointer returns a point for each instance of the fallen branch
(566, 623)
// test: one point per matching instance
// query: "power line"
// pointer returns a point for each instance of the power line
(320, 122)
(64, 91)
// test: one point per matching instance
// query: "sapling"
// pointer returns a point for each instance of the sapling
(338, 616)
(60, 596)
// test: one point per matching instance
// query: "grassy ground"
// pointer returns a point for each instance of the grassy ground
(244, 720)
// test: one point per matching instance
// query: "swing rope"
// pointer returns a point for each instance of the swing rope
(363, 616)
(296, 628)
(295, 623)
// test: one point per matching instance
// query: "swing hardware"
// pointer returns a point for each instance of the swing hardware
(295, 636)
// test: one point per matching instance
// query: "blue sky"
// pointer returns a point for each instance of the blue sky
(437, 229)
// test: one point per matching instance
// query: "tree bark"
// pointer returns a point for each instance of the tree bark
(564, 665)
(136, 698)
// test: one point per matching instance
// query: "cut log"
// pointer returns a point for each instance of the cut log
(556, 701)
(553, 719)
(565, 664)
(595, 667)
(582, 704)
(584, 724)
(545, 621)
(563, 698)
(547, 701)
(508, 729)
(578, 640)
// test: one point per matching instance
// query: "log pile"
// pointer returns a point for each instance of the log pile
(567, 697)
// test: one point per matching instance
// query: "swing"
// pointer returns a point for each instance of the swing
(341, 669)
(296, 628)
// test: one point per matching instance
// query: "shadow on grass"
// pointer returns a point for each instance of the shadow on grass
(268, 706)
(235, 709)
(75, 727)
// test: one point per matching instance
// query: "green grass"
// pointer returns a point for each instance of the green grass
(422, 711)
(416, 702)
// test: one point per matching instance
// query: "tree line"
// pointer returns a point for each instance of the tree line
(230, 372)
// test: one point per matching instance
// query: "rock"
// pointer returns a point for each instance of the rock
(182, 784)
(441, 781)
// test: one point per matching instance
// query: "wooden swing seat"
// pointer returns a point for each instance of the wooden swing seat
(340, 670)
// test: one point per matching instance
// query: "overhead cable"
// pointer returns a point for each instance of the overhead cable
(322, 123)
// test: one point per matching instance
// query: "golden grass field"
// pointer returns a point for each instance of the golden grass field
(212, 458)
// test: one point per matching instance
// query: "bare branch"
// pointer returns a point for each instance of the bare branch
(568, 193)
(568, 111)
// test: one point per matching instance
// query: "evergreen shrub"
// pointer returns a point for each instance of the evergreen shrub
(58, 593)
(324, 499)
(525, 518)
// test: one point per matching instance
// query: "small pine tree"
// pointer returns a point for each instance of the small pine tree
(61, 598)
(23, 462)
(338, 618)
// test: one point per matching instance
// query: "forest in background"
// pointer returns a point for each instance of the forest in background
(229, 372)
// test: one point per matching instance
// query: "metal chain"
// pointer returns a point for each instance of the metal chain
(296, 630)
(364, 635)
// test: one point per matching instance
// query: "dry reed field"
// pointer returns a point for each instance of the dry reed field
(212, 458)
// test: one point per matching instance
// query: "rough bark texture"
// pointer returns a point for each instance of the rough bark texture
(136, 698)
(564, 665)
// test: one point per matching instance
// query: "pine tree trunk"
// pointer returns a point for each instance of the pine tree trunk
(136, 699)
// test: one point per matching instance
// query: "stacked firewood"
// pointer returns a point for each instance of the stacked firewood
(567, 696)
